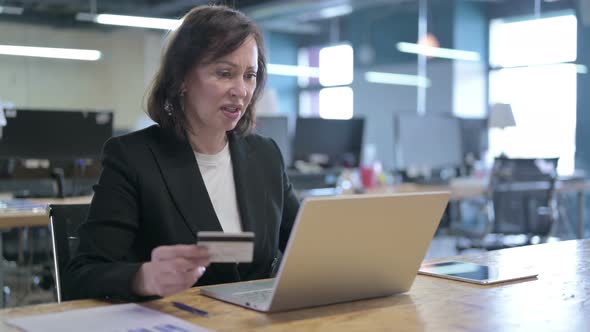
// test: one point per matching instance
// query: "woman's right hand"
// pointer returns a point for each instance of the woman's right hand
(172, 269)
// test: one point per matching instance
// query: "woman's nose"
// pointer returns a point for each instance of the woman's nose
(239, 89)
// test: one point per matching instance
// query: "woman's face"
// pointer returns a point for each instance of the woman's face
(218, 93)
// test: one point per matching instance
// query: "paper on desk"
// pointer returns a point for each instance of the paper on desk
(129, 317)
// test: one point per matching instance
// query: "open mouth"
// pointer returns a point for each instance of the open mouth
(231, 109)
(231, 112)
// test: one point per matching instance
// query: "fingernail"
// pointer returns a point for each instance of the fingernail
(201, 270)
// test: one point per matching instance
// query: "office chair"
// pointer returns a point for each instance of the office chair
(26, 259)
(520, 201)
(64, 222)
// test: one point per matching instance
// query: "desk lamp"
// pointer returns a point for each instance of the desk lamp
(501, 117)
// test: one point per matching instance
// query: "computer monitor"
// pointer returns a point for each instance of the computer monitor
(329, 143)
(431, 141)
(474, 137)
(52, 134)
(277, 128)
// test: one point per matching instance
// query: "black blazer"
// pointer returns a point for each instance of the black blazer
(151, 193)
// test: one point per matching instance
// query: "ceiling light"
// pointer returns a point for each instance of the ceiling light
(50, 52)
(439, 52)
(335, 11)
(290, 70)
(11, 10)
(397, 79)
(131, 21)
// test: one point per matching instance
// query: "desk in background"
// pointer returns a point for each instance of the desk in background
(555, 301)
(24, 218)
(461, 190)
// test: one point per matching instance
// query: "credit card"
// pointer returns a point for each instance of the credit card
(228, 247)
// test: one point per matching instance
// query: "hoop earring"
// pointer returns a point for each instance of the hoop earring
(168, 107)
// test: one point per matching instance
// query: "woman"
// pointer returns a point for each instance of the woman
(197, 170)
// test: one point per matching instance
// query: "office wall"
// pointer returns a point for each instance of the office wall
(583, 102)
(381, 28)
(583, 112)
(457, 86)
(470, 33)
(367, 28)
(378, 103)
(116, 82)
(282, 49)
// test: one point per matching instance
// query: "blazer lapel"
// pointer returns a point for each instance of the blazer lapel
(184, 182)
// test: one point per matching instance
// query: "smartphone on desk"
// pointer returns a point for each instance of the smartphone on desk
(475, 273)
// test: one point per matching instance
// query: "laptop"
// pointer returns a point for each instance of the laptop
(345, 248)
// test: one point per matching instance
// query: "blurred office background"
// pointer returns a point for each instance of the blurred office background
(361, 94)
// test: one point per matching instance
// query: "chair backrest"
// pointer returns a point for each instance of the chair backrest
(64, 222)
(522, 193)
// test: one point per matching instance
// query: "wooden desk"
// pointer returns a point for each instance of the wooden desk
(22, 219)
(10, 220)
(461, 192)
(457, 192)
(556, 301)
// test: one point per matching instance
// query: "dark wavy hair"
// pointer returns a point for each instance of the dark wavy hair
(206, 33)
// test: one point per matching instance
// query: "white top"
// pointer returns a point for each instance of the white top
(218, 175)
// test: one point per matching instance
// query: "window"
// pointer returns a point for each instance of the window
(534, 76)
(533, 41)
(336, 65)
(336, 103)
(328, 96)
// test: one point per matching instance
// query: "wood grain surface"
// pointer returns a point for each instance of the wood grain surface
(557, 300)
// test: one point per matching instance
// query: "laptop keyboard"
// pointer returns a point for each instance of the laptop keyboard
(258, 296)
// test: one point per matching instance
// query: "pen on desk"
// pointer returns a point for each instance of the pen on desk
(190, 309)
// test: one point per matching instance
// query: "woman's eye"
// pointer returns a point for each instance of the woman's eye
(224, 73)
(251, 76)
